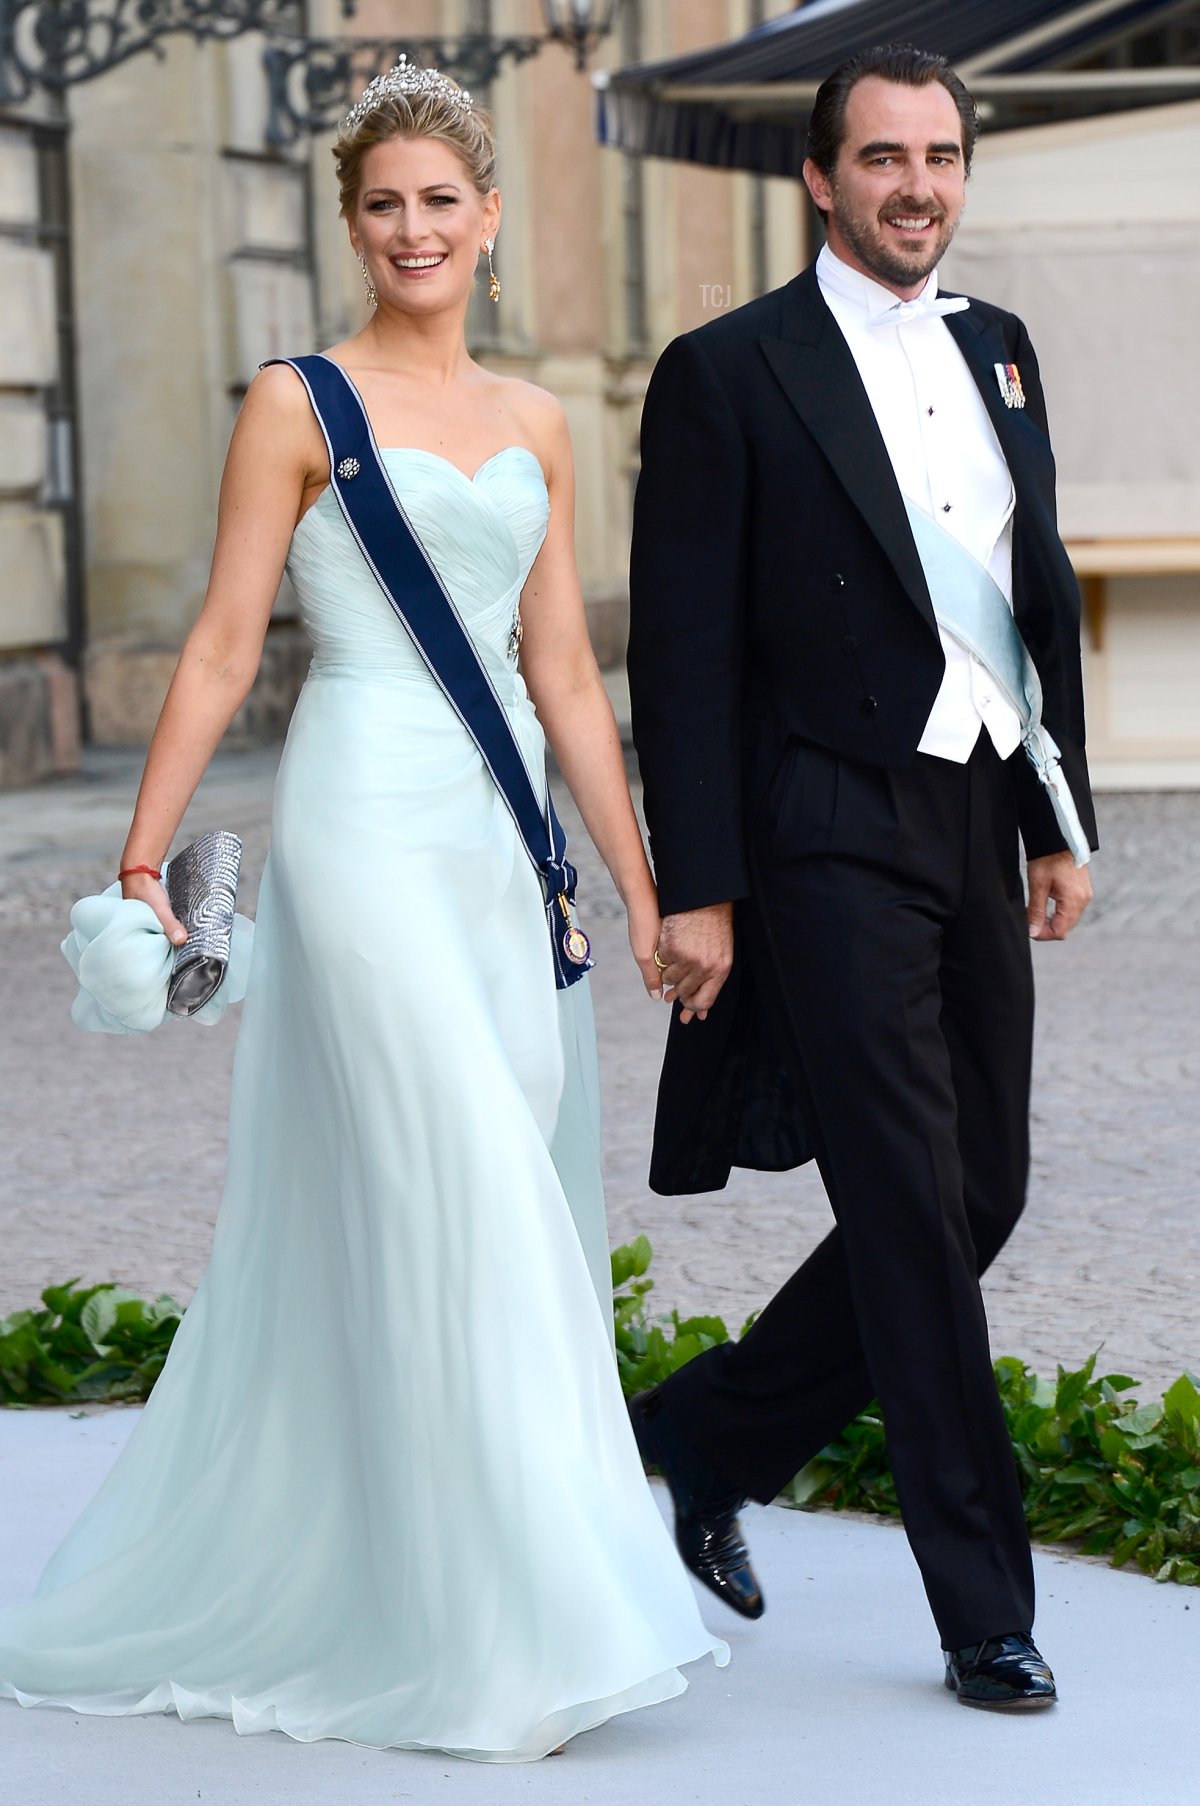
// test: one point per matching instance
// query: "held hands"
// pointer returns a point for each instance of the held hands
(643, 938)
(1055, 879)
(696, 952)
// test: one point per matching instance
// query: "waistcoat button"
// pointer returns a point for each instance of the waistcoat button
(849, 645)
(868, 705)
(836, 580)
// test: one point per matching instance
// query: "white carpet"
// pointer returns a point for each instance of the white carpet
(833, 1699)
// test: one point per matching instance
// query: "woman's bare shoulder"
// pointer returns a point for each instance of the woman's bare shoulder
(532, 402)
(539, 416)
(276, 392)
(277, 414)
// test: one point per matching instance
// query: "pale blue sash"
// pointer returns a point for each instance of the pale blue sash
(969, 603)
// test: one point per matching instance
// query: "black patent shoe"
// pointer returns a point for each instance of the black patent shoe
(1004, 1674)
(707, 1533)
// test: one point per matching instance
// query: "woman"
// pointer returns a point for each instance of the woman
(385, 1489)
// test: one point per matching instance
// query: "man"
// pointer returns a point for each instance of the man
(841, 484)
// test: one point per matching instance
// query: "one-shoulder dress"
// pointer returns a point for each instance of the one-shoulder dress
(385, 1489)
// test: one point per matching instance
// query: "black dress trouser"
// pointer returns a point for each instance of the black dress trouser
(895, 918)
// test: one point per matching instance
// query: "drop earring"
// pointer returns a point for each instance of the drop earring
(368, 285)
(489, 245)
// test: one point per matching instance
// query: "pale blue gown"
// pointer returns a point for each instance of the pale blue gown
(385, 1489)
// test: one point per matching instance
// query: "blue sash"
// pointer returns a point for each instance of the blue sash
(969, 603)
(404, 572)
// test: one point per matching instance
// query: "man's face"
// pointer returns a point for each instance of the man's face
(898, 187)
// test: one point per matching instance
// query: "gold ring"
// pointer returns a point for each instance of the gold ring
(659, 962)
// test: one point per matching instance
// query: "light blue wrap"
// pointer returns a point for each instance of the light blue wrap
(969, 603)
(120, 954)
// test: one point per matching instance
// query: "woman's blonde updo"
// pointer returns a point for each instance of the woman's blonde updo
(445, 113)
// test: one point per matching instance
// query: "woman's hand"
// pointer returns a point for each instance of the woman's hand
(644, 925)
(142, 888)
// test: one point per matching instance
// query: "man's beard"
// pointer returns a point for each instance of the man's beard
(884, 264)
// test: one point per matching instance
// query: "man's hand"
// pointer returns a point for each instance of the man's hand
(1056, 879)
(696, 950)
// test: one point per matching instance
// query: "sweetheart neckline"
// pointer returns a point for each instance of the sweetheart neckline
(419, 451)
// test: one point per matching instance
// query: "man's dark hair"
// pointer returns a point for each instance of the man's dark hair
(893, 63)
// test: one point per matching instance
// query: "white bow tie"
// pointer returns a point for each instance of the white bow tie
(901, 312)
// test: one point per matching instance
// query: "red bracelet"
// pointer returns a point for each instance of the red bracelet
(150, 871)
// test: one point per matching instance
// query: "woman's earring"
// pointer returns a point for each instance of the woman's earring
(489, 245)
(368, 285)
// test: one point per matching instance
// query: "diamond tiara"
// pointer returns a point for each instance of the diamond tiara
(405, 78)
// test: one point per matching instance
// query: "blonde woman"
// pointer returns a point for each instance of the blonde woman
(385, 1489)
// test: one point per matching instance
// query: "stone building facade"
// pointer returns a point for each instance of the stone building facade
(196, 251)
(40, 551)
(154, 249)
(1090, 230)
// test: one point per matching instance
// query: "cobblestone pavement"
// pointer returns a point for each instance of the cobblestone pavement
(111, 1150)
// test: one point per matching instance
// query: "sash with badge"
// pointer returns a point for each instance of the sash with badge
(969, 603)
(400, 565)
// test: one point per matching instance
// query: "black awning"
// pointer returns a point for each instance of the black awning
(745, 104)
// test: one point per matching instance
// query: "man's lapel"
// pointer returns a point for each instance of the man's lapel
(1022, 441)
(982, 344)
(815, 368)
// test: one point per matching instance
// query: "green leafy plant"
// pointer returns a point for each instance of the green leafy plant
(1097, 1467)
(648, 1349)
(86, 1344)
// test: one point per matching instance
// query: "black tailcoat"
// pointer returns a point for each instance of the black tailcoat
(777, 596)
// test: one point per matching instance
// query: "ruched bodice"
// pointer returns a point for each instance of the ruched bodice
(482, 534)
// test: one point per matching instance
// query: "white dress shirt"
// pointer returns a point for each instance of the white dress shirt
(947, 460)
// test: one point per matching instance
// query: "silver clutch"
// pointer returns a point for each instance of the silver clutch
(201, 884)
